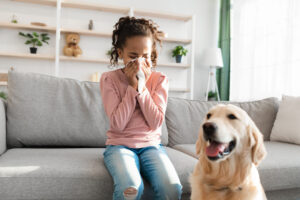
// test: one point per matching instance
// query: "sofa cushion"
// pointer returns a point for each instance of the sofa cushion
(287, 124)
(44, 110)
(281, 168)
(69, 173)
(278, 171)
(184, 165)
(184, 117)
(290, 194)
(2, 126)
(189, 149)
(48, 173)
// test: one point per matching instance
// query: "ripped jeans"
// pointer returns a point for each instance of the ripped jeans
(126, 165)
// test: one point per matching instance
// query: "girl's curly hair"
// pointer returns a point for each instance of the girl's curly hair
(128, 27)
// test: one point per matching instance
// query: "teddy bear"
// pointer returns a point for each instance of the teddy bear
(72, 48)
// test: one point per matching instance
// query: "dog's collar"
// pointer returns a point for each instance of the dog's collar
(225, 188)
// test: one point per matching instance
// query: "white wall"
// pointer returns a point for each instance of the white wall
(207, 14)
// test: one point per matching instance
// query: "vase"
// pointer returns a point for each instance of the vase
(212, 99)
(33, 50)
(178, 58)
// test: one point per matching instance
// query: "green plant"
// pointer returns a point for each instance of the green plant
(3, 95)
(34, 38)
(14, 19)
(212, 94)
(179, 50)
(108, 53)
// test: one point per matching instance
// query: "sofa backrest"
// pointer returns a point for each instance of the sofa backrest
(184, 117)
(49, 111)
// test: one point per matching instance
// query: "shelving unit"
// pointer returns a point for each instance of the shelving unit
(27, 27)
(27, 55)
(58, 30)
(42, 2)
(79, 31)
(80, 59)
(108, 8)
(3, 83)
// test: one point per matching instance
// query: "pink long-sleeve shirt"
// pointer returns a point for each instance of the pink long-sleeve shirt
(135, 117)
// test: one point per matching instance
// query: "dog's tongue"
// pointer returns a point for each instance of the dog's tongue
(214, 148)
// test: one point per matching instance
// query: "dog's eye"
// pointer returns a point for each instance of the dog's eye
(208, 115)
(231, 116)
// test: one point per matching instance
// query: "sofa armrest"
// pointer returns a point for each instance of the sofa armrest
(3, 146)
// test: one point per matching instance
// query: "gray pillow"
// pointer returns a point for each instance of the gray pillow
(44, 110)
(183, 117)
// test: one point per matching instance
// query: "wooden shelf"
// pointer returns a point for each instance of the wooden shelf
(173, 16)
(83, 59)
(3, 83)
(79, 31)
(109, 35)
(86, 32)
(80, 5)
(94, 6)
(179, 90)
(42, 2)
(27, 26)
(174, 65)
(184, 41)
(109, 8)
(106, 61)
(27, 55)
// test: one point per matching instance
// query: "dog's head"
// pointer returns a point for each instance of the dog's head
(228, 131)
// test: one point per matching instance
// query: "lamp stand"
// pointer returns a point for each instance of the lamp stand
(212, 76)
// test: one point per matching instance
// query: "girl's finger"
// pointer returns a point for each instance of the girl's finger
(132, 71)
(147, 72)
(130, 66)
(148, 63)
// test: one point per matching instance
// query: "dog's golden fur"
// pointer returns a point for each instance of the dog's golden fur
(235, 177)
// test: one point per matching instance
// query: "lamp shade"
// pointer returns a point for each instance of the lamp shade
(213, 57)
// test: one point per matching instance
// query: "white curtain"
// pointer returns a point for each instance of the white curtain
(265, 49)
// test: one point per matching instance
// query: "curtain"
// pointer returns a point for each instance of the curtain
(265, 49)
(223, 74)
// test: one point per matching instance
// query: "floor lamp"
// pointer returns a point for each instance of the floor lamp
(213, 59)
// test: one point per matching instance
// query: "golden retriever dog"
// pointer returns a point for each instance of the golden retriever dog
(229, 148)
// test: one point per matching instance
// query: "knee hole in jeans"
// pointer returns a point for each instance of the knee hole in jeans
(130, 193)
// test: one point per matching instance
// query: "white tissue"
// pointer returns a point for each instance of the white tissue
(140, 74)
(141, 77)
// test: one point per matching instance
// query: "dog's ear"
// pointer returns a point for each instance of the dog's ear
(258, 150)
(199, 142)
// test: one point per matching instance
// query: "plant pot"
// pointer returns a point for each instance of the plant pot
(212, 99)
(178, 58)
(33, 50)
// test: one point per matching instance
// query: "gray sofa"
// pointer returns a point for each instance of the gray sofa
(52, 136)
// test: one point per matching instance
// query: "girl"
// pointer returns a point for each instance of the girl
(136, 110)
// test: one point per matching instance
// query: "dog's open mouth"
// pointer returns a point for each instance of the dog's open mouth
(216, 150)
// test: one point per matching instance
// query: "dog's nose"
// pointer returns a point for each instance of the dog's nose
(209, 129)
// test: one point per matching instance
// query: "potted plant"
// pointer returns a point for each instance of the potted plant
(212, 96)
(108, 53)
(3, 95)
(35, 39)
(14, 19)
(178, 52)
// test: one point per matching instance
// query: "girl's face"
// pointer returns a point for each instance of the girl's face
(136, 46)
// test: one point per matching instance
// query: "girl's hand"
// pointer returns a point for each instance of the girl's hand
(130, 71)
(147, 69)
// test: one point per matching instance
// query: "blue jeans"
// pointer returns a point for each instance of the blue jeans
(126, 165)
